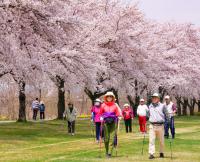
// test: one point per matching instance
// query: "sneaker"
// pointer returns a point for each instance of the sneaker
(72, 134)
(151, 156)
(166, 136)
(108, 155)
(161, 155)
(97, 141)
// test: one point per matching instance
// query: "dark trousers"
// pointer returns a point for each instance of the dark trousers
(171, 126)
(35, 111)
(42, 115)
(128, 125)
(99, 131)
(71, 127)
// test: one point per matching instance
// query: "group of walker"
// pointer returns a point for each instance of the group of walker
(106, 117)
(38, 106)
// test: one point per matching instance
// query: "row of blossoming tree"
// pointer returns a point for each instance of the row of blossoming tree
(98, 46)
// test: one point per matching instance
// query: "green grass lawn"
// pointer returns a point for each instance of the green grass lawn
(48, 141)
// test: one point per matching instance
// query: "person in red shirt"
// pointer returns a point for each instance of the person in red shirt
(128, 116)
(109, 117)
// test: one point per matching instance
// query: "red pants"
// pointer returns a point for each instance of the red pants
(142, 122)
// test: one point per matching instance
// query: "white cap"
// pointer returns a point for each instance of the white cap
(141, 100)
(110, 94)
(167, 97)
(126, 105)
(97, 100)
(156, 95)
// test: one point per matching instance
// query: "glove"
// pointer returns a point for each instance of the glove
(91, 120)
(101, 118)
(120, 118)
(63, 115)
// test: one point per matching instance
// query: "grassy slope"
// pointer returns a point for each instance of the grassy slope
(48, 141)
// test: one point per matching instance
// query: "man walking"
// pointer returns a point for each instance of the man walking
(142, 112)
(171, 108)
(158, 115)
(35, 107)
(71, 114)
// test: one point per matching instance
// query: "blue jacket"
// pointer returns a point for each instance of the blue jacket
(42, 108)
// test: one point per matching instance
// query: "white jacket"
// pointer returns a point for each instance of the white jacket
(70, 116)
(142, 110)
(171, 108)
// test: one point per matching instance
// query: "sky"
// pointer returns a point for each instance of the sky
(171, 10)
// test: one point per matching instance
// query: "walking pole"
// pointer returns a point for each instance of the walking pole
(71, 128)
(63, 122)
(143, 144)
(170, 142)
(118, 124)
(92, 129)
(115, 142)
(63, 119)
(100, 147)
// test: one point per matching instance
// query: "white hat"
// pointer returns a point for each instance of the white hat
(141, 100)
(97, 100)
(110, 94)
(167, 97)
(156, 95)
(126, 105)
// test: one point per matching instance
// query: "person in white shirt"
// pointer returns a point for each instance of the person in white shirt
(171, 108)
(142, 112)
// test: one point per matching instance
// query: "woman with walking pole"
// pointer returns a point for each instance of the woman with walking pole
(109, 117)
(96, 118)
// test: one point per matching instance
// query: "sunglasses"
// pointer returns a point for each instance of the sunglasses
(109, 96)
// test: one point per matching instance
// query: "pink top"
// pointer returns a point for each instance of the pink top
(110, 107)
(127, 113)
(96, 111)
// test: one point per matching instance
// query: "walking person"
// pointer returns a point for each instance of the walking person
(158, 114)
(128, 116)
(71, 114)
(109, 117)
(96, 118)
(142, 112)
(42, 110)
(171, 107)
(35, 107)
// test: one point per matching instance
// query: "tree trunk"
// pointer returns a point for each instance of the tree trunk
(137, 97)
(40, 94)
(178, 104)
(198, 103)
(132, 104)
(191, 111)
(61, 99)
(185, 104)
(22, 102)
(148, 97)
(96, 94)
(116, 95)
(162, 91)
(191, 106)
